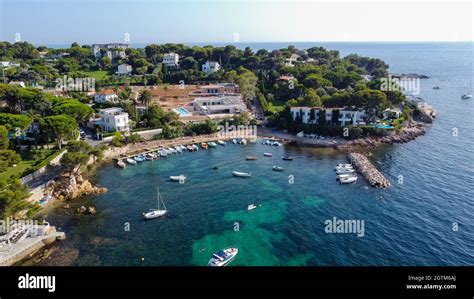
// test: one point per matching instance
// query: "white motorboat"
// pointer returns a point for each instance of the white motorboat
(342, 165)
(223, 257)
(121, 164)
(277, 168)
(468, 95)
(131, 161)
(344, 175)
(267, 154)
(183, 147)
(242, 174)
(251, 207)
(171, 150)
(348, 180)
(163, 153)
(212, 144)
(221, 142)
(151, 155)
(155, 213)
(244, 141)
(344, 170)
(178, 149)
(148, 158)
(178, 178)
(234, 141)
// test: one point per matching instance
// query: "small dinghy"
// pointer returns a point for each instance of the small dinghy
(178, 178)
(267, 154)
(234, 141)
(204, 145)
(121, 164)
(277, 168)
(212, 144)
(345, 175)
(190, 148)
(251, 207)
(287, 158)
(183, 147)
(139, 158)
(251, 158)
(131, 161)
(342, 165)
(223, 257)
(221, 142)
(244, 141)
(241, 174)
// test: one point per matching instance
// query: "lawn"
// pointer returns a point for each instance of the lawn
(29, 161)
(98, 75)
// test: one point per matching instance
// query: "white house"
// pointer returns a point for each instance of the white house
(17, 83)
(210, 67)
(219, 105)
(9, 64)
(114, 119)
(114, 50)
(291, 61)
(346, 116)
(171, 60)
(124, 69)
(105, 95)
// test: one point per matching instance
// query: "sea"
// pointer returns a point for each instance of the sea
(425, 218)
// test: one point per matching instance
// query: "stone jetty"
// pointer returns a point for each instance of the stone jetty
(374, 177)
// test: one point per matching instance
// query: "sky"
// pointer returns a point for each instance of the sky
(186, 21)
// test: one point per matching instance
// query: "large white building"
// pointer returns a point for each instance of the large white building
(124, 69)
(219, 105)
(105, 96)
(114, 119)
(211, 67)
(113, 50)
(171, 60)
(346, 116)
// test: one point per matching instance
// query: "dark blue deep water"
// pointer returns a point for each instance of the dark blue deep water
(408, 224)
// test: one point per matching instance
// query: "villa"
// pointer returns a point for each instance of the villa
(346, 116)
(124, 69)
(218, 89)
(219, 105)
(113, 50)
(211, 67)
(114, 119)
(105, 96)
(290, 61)
(171, 60)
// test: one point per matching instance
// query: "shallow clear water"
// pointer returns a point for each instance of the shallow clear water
(408, 224)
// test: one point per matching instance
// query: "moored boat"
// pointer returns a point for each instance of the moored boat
(204, 145)
(241, 174)
(341, 165)
(223, 257)
(244, 141)
(190, 148)
(287, 158)
(221, 142)
(121, 164)
(139, 158)
(178, 178)
(251, 207)
(344, 175)
(251, 158)
(212, 144)
(344, 170)
(155, 213)
(267, 154)
(234, 141)
(277, 168)
(348, 180)
(131, 161)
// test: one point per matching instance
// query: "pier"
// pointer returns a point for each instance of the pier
(374, 177)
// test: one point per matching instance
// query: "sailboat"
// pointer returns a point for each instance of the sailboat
(155, 213)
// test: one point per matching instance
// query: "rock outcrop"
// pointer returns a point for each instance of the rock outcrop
(74, 186)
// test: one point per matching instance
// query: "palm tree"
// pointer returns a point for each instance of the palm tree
(145, 98)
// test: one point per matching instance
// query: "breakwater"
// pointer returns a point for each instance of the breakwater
(374, 177)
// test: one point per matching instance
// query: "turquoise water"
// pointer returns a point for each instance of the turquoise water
(411, 223)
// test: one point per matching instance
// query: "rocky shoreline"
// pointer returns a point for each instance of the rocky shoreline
(374, 177)
(72, 187)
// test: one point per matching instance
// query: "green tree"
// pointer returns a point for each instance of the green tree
(248, 85)
(145, 98)
(61, 126)
(72, 161)
(4, 142)
(13, 199)
(118, 139)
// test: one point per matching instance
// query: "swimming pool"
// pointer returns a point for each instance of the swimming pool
(182, 111)
(382, 126)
